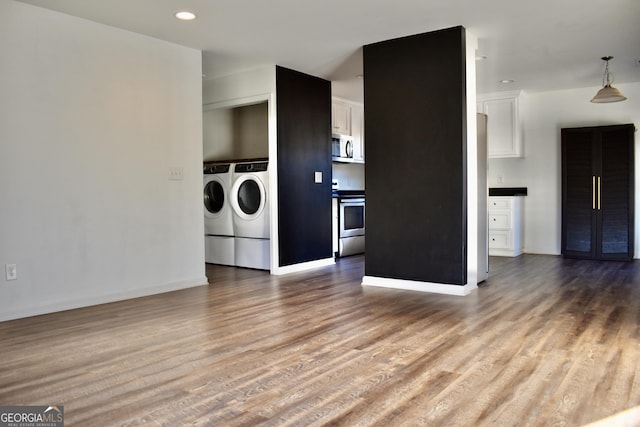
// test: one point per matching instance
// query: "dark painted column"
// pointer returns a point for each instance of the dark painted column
(415, 125)
(304, 148)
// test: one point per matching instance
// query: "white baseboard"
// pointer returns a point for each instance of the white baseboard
(414, 285)
(303, 266)
(505, 252)
(102, 299)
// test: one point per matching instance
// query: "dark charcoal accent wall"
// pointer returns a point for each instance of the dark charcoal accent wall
(304, 147)
(415, 127)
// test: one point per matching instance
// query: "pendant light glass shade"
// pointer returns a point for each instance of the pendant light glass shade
(608, 93)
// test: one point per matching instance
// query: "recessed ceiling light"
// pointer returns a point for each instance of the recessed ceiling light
(507, 81)
(185, 15)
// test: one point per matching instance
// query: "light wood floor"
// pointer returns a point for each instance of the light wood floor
(545, 341)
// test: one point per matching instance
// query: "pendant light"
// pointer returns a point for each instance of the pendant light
(608, 93)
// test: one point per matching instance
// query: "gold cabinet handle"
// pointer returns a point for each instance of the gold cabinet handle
(599, 193)
(593, 192)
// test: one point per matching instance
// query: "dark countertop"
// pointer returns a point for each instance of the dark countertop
(508, 191)
(345, 194)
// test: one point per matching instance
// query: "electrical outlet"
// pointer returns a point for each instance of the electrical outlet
(176, 173)
(11, 272)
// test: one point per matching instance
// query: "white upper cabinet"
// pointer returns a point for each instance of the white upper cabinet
(504, 133)
(347, 118)
(341, 117)
(357, 131)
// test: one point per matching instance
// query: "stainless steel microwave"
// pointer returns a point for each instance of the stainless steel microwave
(341, 147)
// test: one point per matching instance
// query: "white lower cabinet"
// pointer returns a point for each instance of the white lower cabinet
(499, 240)
(505, 226)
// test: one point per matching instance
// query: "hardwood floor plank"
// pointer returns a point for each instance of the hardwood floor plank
(544, 341)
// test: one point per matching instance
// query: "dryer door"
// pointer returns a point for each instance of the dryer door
(214, 198)
(248, 197)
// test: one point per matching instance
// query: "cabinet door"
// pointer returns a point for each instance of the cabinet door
(615, 193)
(357, 132)
(598, 192)
(578, 194)
(341, 118)
(502, 127)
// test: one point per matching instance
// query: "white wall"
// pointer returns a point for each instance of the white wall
(251, 131)
(350, 176)
(236, 133)
(217, 134)
(240, 89)
(91, 119)
(544, 114)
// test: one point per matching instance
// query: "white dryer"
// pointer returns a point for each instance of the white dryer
(218, 214)
(250, 203)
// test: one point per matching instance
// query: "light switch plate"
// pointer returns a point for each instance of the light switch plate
(176, 173)
(318, 177)
(11, 272)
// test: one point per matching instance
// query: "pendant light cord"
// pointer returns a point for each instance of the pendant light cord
(606, 80)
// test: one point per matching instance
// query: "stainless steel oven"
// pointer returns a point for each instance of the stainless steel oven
(351, 226)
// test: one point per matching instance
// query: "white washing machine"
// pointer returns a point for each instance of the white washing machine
(218, 214)
(250, 200)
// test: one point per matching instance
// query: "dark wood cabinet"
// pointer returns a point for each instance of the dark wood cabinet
(598, 192)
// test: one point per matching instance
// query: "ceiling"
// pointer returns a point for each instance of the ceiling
(541, 45)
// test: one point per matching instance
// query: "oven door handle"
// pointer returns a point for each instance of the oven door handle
(352, 202)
